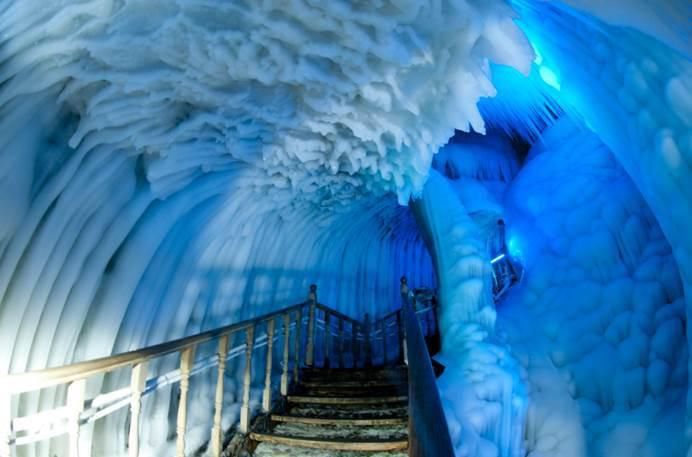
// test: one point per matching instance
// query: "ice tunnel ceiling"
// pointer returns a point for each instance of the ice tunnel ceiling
(171, 166)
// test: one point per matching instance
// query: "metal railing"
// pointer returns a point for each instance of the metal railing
(78, 410)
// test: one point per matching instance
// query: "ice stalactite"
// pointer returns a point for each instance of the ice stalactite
(482, 392)
(598, 322)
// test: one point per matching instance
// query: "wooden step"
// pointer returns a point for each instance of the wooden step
(335, 373)
(332, 400)
(354, 383)
(355, 391)
(358, 369)
(349, 411)
(339, 421)
(334, 444)
(355, 380)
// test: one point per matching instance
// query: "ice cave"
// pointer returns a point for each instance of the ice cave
(172, 167)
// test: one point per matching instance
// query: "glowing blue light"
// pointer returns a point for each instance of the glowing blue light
(549, 77)
(498, 258)
(513, 247)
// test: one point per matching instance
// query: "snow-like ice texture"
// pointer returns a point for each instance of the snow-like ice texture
(635, 92)
(482, 393)
(172, 166)
(598, 322)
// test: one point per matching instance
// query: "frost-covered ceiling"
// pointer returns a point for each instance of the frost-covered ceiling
(170, 166)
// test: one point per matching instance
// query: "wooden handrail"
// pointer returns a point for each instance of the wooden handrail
(49, 377)
(428, 431)
(334, 313)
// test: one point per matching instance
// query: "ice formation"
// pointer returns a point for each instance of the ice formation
(171, 166)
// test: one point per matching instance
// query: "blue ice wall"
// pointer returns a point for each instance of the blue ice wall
(598, 320)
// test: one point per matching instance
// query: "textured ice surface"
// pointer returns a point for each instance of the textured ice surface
(598, 322)
(646, 121)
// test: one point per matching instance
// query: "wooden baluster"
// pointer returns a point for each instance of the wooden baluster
(187, 360)
(287, 340)
(137, 383)
(267, 395)
(296, 349)
(403, 289)
(327, 338)
(341, 343)
(355, 344)
(310, 353)
(247, 379)
(402, 342)
(5, 424)
(366, 340)
(383, 331)
(75, 405)
(216, 430)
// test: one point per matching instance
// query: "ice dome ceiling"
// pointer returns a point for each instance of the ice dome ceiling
(169, 166)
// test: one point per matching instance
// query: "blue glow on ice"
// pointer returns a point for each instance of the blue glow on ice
(549, 77)
(513, 247)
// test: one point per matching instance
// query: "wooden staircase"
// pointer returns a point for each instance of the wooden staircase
(339, 412)
(393, 410)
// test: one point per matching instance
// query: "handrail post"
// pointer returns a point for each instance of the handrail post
(341, 343)
(187, 359)
(247, 379)
(75, 405)
(267, 395)
(355, 345)
(5, 424)
(287, 335)
(296, 349)
(366, 340)
(402, 339)
(137, 383)
(383, 330)
(310, 354)
(216, 431)
(327, 337)
(403, 289)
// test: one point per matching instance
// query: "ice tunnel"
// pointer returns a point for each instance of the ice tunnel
(169, 167)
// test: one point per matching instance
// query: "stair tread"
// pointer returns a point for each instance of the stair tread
(353, 383)
(343, 432)
(372, 421)
(282, 450)
(327, 374)
(349, 411)
(345, 444)
(354, 369)
(337, 400)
